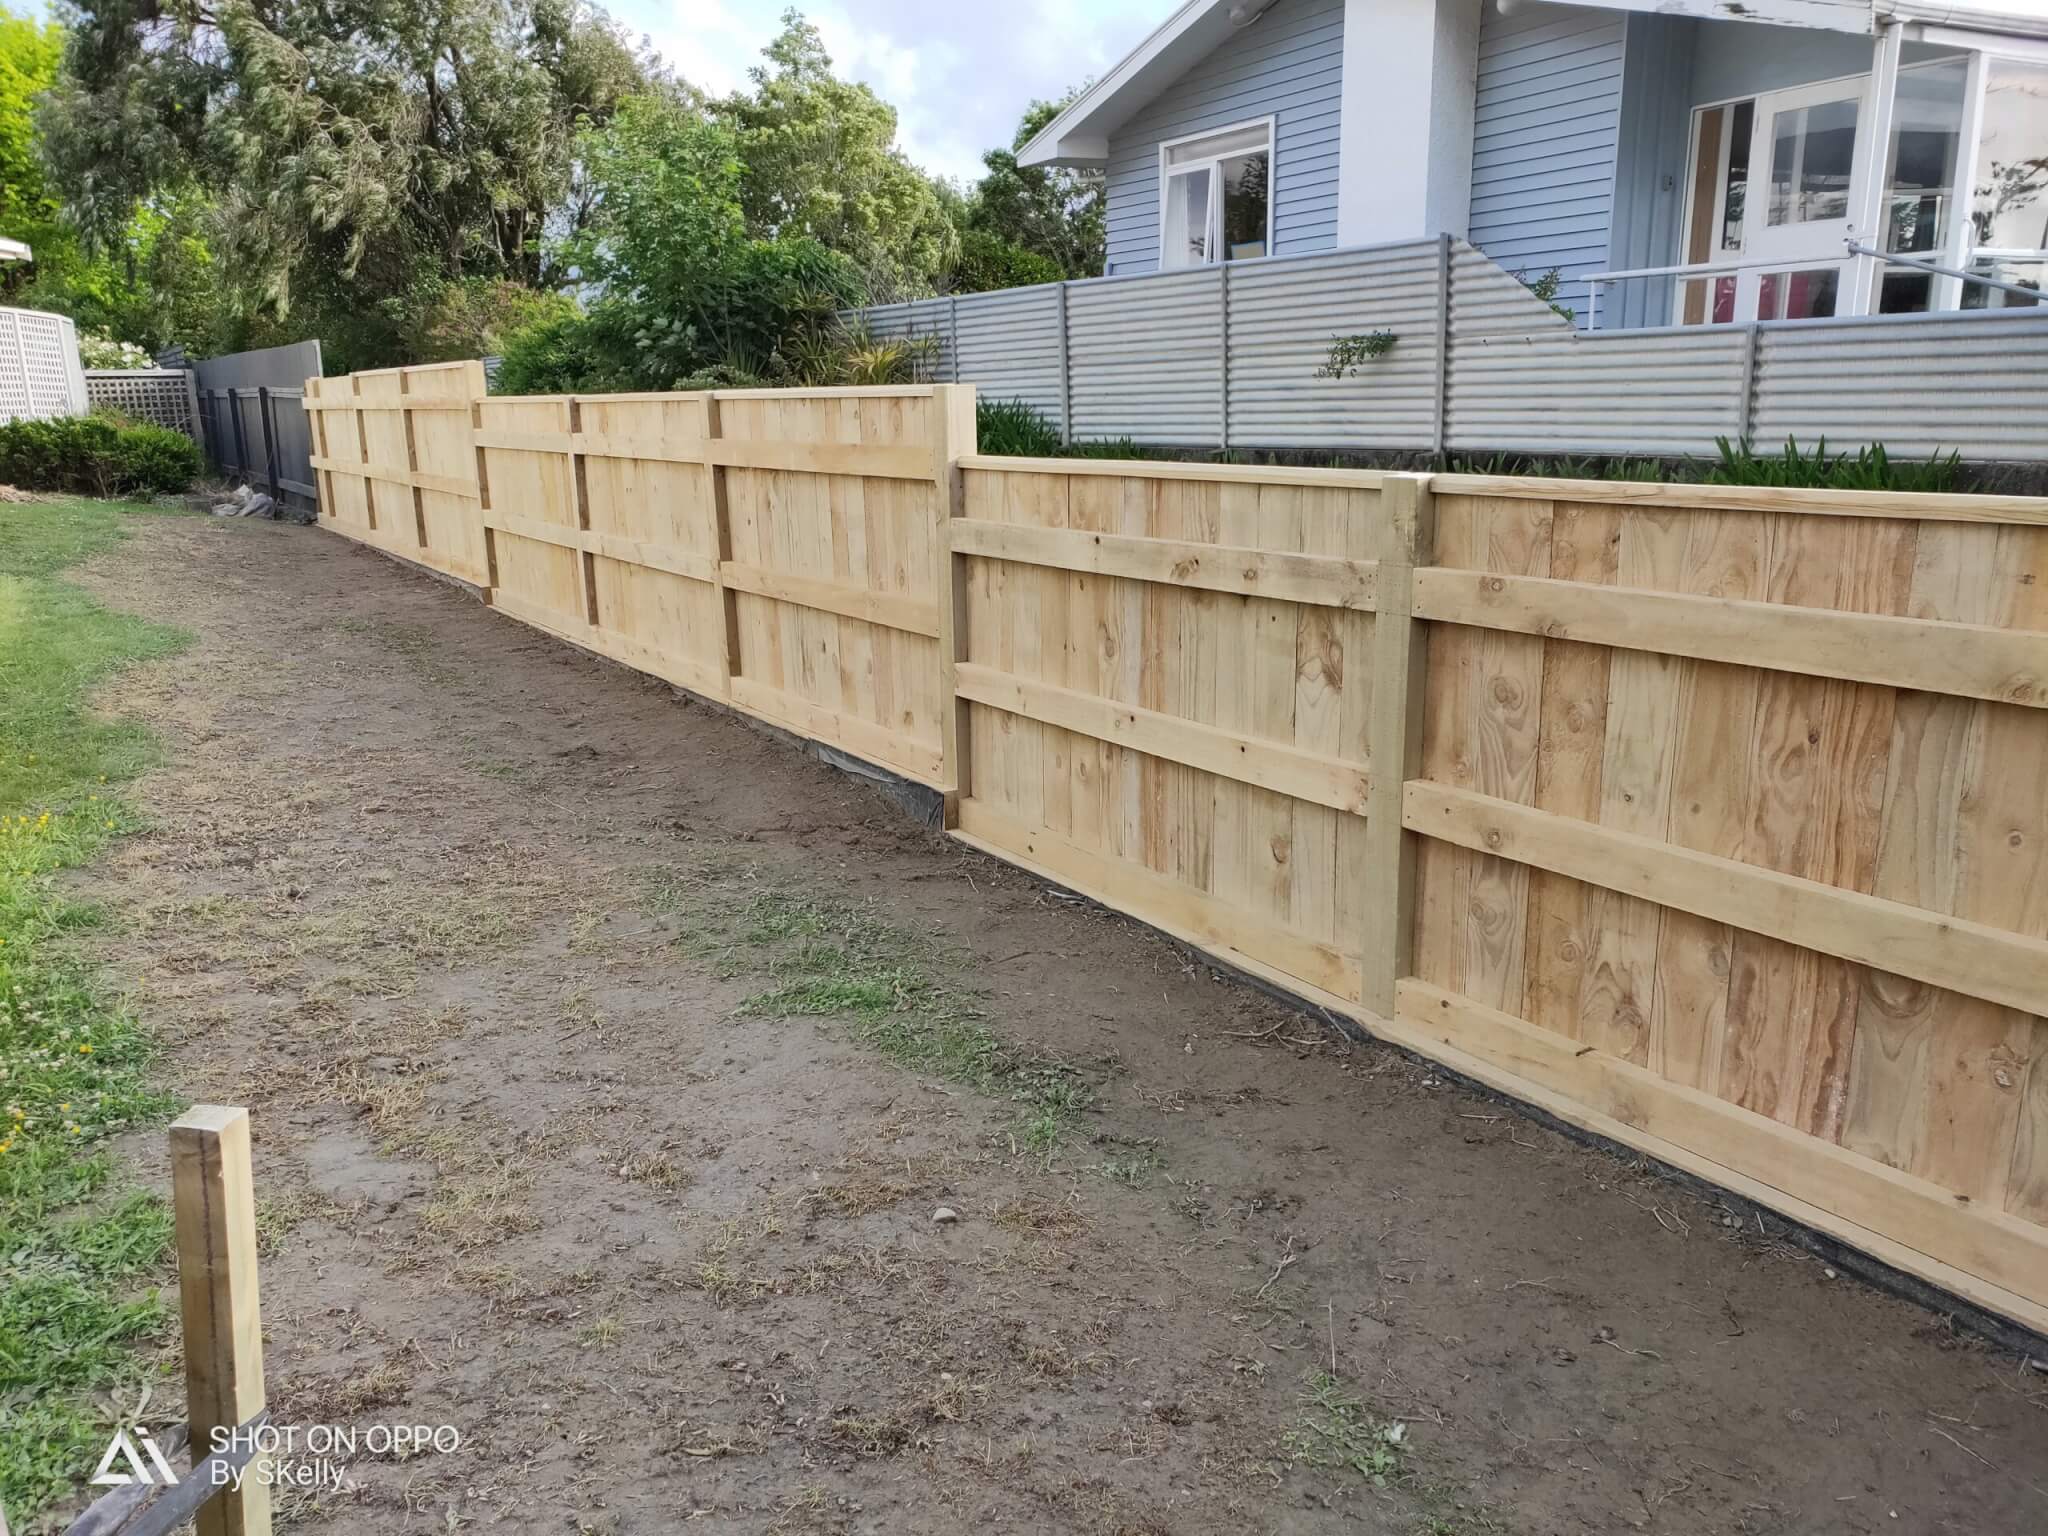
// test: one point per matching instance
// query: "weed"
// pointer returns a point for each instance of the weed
(1348, 353)
(1133, 1167)
(834, 959)
(1335, 1431)
(72, 1063)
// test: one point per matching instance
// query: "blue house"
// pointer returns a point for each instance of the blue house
(1675, 162)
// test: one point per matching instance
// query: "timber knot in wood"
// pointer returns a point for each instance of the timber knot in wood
(1183, 569)
(1495, 584)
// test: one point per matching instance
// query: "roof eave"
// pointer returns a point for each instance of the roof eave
(1080, 134)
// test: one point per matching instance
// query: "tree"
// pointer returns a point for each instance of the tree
(29, 54)
(988, 261)
(357, 158)
(149, 286)
(1054, 211)
(679, 291)
(821, 160)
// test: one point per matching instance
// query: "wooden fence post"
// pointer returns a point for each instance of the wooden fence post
(483, 490)
(267, 415)
(215, 1201)
(355, 389)
(316, 424)
(241, 436)
(1399, 665)
(953, 437)
(721, 530)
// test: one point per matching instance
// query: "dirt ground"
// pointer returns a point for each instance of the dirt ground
(492, 937)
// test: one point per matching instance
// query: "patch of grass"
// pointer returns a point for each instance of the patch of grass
(823, 957)
(76, 1254)
(1335, 1431)
(1134, 1165)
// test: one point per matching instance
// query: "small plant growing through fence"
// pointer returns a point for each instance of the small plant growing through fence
(1545, 286)
(1349, 353)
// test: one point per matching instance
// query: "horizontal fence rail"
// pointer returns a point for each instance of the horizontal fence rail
(1708, 819)
(1233, 356)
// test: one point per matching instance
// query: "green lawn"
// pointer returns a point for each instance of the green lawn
(79, 1255)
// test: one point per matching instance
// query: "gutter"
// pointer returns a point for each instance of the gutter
(1968, 18)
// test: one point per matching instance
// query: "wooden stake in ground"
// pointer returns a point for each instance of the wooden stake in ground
(215, 1200)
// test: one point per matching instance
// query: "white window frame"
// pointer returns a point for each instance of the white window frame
(1269, 126)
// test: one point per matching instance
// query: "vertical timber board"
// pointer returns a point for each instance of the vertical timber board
(1394, 753)
(215, 1204)
(486, 533)
(952, 429)
(412, 458)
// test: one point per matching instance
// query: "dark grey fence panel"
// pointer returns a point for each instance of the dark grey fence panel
(252, 422)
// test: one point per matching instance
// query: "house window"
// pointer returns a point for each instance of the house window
(1215, 196)
(2009, 192)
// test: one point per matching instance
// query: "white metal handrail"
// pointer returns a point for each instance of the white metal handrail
(1683, 269)
(1858, 248)
(1692, 269)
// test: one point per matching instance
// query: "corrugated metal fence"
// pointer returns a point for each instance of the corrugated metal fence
(1226, 356)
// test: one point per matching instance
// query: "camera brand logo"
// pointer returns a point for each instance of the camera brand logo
(123, 1449)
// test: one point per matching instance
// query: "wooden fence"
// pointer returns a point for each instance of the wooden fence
(1710, 820)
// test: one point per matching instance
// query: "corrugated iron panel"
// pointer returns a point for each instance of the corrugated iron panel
(1010, 346)
(1145, 357)
(910, 321)
(1146, 362)
(1522, 379)
(1560, 391)
(1283, 318)
(1974, 383)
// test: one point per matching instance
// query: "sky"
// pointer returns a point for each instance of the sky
(959, 75)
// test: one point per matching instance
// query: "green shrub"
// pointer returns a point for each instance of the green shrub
(97, 456)
(153, 461)
(1014, 429)
(988, 262)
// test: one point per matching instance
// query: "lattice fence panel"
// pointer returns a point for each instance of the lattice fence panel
(162, 396)
(39, 373)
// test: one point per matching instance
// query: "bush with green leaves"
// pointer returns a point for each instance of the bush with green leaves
(988, 262)
(1014, 429)
(98, 455)
(682, 293)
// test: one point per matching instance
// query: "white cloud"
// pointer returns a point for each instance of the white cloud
(958, 75)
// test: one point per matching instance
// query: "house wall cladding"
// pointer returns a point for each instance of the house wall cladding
(1289, 64)
(1227, 357)
(1546, 124)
